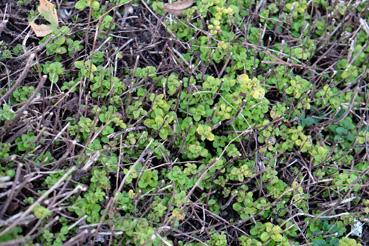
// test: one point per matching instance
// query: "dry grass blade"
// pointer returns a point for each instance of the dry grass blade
(364, 25)
(178, 7)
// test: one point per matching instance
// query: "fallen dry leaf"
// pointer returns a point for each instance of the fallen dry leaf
(48, 11)
(40, 30)
(178, 7)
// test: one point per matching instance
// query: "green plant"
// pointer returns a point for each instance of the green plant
(54, 70)
(21, 94)
(104, 84)
(344, 132)
(160, 117)
(86, 68)
(185, 122)
(205, 132)
(6, 113)
(83, 128)
(269, 234)
(57, 45)
(181, 177)
(149, 179)
(125, 201)
(90, 203)
(4, 150)
(41, 212)
(348, 241)
(26, 142)
(82, 4)
(73, 46)
(11, 234)
(345, 181)
(318, 228)
(138, 230)
(218, 239)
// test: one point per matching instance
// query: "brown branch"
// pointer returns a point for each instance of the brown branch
(3, 25)
(20, 79)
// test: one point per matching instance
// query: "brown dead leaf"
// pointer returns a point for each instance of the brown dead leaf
(178, 7)
(40, 30)
(48, 11)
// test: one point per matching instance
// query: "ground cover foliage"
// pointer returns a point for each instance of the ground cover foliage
(234, 122)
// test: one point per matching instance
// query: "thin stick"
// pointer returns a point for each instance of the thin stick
(20, 79)
(39, 200)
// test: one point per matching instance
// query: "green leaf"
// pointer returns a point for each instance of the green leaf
(80, 5)
(264, 236)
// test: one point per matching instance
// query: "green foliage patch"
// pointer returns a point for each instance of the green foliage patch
(232, 123)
